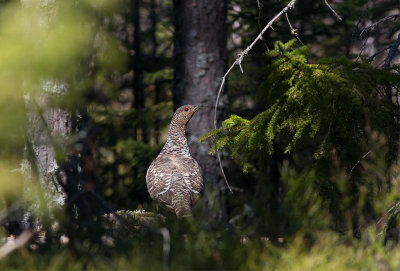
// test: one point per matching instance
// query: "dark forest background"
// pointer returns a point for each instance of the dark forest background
(308, 134)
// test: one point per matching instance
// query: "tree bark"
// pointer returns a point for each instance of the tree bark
(200, 57)
(137, 64)
(64, 183)
(43, 124)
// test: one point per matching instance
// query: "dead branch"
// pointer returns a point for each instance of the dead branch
(382, 222)
(333, 11)
(371, 58)
(358, 162)
(12, 245)
(368, 29)
(392, 52)
(293, 31)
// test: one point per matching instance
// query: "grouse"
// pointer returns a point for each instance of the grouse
(174, 178)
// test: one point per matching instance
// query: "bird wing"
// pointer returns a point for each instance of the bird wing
(192, 177)
(159, 180)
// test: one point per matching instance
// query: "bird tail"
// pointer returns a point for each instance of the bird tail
(181, 204)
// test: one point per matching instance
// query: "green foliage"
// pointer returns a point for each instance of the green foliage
(327, 105)
(330, 253)
(319, 125)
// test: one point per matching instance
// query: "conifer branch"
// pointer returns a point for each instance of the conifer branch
(238, 62)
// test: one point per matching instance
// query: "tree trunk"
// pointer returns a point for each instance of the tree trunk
(137, 64)
(43, 124)
(200, 61)
(65, 183)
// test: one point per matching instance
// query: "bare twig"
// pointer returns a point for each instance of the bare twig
(365, 155)
(238, 62)
(371, 58)
(237, 189)
(365, 32)
(362, 50)
(333, 11)
(292, 30)
(392, 52)
(260, 4)
(12, 245)
(353, 34)
(383, 220)
(368, 29)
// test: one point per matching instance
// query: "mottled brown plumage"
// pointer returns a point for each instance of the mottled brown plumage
(174, 178)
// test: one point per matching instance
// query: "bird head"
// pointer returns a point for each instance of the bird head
(184, 113)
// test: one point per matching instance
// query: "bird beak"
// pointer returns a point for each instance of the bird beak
(196, 108)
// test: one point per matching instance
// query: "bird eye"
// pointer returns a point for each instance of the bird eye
(186, 109)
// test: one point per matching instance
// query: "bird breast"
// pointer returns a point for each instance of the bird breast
(170, 174)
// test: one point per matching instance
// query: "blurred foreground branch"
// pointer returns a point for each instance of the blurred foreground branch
(18, 242)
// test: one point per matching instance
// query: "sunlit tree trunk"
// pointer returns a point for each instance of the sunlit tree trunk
(69, 181)
(43, 124)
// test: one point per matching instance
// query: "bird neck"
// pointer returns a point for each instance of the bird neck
(176, 142)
